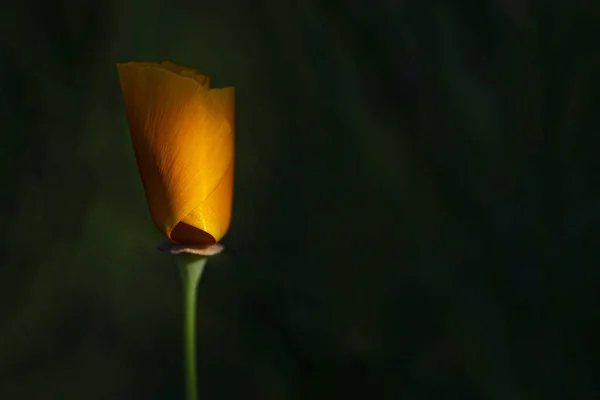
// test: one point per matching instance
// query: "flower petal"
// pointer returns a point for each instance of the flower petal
(183, 137)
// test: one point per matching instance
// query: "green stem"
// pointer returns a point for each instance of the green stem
(190, 267)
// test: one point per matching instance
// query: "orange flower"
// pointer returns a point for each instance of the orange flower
(183, 136)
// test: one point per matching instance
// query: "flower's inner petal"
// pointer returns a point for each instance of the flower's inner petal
(187, 234)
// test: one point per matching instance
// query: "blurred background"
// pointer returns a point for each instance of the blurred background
(416, 203)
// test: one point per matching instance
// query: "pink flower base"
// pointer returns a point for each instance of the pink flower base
(176, 248)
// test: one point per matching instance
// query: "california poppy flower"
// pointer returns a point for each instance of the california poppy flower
(183, 136)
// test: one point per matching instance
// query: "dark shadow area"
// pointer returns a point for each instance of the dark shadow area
(416, 210)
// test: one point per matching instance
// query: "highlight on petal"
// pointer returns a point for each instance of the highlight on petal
(183, 136)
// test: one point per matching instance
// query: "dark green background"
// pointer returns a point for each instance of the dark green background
(417, 202)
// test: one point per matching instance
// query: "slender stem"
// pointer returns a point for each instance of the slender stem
(191, 267)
